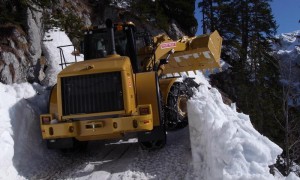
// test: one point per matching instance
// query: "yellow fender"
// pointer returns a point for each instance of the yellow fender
(52, 106)
(147, 93)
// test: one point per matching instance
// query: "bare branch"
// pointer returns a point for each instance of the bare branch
(296, 142)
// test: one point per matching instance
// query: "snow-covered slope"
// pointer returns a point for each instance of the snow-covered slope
(288, 42)
(288, 53)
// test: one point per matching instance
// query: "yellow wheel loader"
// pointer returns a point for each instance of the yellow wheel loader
(127, 84)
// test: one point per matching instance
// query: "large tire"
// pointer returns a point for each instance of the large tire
(176, 107)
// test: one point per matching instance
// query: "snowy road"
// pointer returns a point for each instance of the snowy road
(119, 160)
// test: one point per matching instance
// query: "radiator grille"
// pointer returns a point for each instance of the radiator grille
(92, 93)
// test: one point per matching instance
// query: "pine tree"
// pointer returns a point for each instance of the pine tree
(210, 14)
(247, 26)
(258, 27)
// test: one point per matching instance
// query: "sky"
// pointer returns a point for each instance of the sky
(286, 14)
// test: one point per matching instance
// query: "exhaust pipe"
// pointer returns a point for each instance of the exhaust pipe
(110, 29)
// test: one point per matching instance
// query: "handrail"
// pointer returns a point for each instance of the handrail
(62, 56)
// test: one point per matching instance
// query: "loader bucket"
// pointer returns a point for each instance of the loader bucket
(203, 52)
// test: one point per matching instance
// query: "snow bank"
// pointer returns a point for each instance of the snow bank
(224, 143)
(23, 150)
(10, 96)
(20, 138)
(53, 38)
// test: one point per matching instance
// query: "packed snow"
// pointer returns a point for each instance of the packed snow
(219, 143)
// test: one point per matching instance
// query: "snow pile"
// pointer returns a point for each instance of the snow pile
(22, 146)
(224, 143)
(16, 127)
(53, 38)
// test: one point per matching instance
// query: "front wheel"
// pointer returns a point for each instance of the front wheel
(176, 107)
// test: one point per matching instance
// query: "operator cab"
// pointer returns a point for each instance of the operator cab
(98, 44)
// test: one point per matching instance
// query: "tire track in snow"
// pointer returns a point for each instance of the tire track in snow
(114, 161)
(171, 162)
(121, 160)
(58, 165)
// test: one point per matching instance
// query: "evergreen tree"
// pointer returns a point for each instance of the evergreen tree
(211, 10)
(222, 16)
(247, 26)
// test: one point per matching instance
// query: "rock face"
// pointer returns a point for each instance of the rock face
(20, 53)
(174, 31)
(14, 52)
(35, 35)
(80, 8)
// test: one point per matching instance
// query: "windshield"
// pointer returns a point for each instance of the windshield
(98, 44)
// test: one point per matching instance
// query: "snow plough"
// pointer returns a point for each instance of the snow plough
(127, 84)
